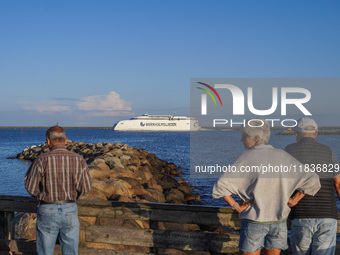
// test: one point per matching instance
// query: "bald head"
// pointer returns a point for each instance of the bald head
(56, 135)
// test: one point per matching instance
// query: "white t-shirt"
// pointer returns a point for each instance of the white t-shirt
(266, 177)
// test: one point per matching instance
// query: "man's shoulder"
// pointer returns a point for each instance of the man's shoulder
(291, 146)
(283, 154)
(309, 145)
(321, 146)
(54, 153)
(324, 146)
(68, 153)
(267, 150)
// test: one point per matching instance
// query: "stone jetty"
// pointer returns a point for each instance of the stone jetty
(321, 131)
(123, 173)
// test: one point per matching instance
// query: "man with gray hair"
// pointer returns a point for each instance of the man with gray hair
(57, 178)
(314, 219)
(264, 194)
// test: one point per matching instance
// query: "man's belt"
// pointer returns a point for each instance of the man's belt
(58, 202)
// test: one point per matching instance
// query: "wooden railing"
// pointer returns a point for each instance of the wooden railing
(151, 236)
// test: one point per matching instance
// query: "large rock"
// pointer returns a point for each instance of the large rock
(133, 182)
(104, 167)
(122, 172)
(95, 194)
(116, 152)
(174, 196)
(107, 188)
(25, 226)
(96, 172)
(152, 184)
(186, 189)
(114, 162)
(156, 194)
(120, 188)
(98, 161)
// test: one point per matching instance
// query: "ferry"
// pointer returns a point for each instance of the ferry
(148, 122)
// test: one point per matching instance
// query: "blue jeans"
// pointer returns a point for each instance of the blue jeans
(313, 236)
(57, 221)
(255, 236)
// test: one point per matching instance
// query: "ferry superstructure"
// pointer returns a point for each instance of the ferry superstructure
(148, 122)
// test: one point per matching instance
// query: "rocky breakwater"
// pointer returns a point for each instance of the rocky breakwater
(120, 173)
(321, 131)
(123, 173)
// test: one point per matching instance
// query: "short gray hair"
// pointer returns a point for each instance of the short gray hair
(257, 127)
(56, 133)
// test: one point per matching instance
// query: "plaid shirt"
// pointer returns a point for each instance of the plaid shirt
(58, 175)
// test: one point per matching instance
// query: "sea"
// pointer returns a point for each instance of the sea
(170, 146)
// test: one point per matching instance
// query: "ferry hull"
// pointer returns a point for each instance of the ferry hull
(156, 125)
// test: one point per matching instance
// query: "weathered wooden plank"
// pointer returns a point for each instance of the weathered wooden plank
(91, 251)
(18, 198)
(153, 225)
(18, 204)
(173, 239)
(149, 206)
(337, 249)
(20, 246)
(203, 217)
(28, 248)
(7, 225)
(121, 212)
(94, 251)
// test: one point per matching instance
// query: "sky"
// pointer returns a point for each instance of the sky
(92, 63)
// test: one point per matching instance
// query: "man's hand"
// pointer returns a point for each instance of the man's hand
(292, 201)
(242, 207)
(237, 207)
(337, 185)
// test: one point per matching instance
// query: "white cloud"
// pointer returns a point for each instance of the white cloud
(101, 106)
(47, 107)
(108, 114)
(105, 103)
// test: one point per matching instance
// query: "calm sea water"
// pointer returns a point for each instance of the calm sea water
(170, 146)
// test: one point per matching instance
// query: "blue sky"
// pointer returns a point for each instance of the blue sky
(91, 63)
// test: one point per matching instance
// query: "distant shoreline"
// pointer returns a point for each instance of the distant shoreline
(273, 128)
(16, 127)
(326, 128)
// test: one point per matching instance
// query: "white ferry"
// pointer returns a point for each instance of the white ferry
(148, 122)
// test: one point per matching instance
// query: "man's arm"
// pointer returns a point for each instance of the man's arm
(337, 185)
(295, 199)
(85, 183)
(239, 208)
(334, 158)
(337, 177)
(33, 178)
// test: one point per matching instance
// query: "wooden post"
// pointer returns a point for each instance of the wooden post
(7, 225)
(153, 225)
